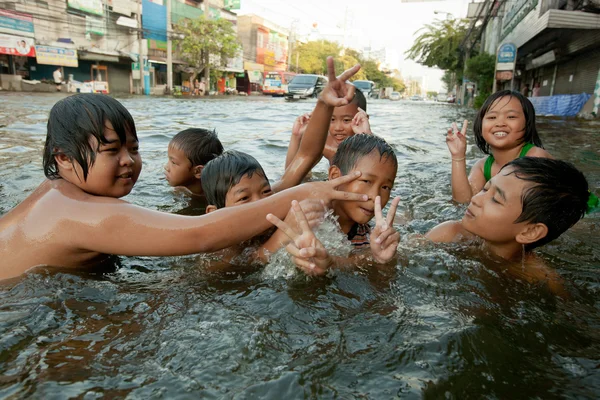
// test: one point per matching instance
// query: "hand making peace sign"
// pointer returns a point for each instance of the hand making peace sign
(384, 238)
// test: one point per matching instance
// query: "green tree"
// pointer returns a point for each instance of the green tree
(481, 69)
(313, 55)
(206, 43)
(438, 46)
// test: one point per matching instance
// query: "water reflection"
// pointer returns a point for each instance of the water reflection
(446, 322)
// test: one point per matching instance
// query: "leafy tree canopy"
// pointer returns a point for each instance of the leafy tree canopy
(206, 42)
(438, 44)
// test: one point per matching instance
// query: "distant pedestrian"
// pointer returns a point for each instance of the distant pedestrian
(525, 90)
(536, 90)
(202, 87)
(57, 76)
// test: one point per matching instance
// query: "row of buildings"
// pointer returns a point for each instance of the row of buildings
(557, 42)
(102, 40)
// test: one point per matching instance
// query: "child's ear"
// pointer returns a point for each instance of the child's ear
(334, 172)
(210, 208)
(63, 161)
(531, 233)
(197, 171)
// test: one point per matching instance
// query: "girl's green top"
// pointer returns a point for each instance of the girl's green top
(487, 168)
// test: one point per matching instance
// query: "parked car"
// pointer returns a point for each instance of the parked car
(303, 86)
(366, 87)
(416, 97)
(451, 99)
(395, 96)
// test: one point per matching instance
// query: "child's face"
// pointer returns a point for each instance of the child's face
(340, 127)
(179, 170)
(248, 190)
(503, 125)
(377, 179)
(492, 212)
(116, 168)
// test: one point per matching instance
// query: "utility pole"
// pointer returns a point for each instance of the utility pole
(169, 50)
(292, 43)
(141, 40)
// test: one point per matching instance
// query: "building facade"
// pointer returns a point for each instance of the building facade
(558, 44)
(90, 40)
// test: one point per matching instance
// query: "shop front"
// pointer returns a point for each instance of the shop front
(253, 78)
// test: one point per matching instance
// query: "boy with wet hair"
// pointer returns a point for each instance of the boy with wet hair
(376, 159)
(529, 203)
(238, 171)
(188, 152)
(346, 121)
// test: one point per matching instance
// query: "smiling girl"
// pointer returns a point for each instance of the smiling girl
(504, 129)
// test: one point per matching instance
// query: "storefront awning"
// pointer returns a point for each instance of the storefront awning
(99, 55)
(163, 60)
(226, 69)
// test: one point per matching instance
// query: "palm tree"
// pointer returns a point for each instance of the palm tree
(438, 44)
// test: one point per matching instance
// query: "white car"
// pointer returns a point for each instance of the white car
(395, 96)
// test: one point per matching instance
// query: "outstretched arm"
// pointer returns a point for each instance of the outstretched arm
(117, 227)
(336, 93)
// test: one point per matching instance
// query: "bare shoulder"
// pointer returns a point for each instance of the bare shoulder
(449, 231)
(479, 164)
(538, 152)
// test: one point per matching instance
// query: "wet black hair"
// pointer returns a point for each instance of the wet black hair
(352, 149)
(557, 196)
(73, 120)
(224, 172)
(359, 99)
(198, 144)
(531, 134)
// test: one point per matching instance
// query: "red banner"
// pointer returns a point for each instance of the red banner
(17, 46)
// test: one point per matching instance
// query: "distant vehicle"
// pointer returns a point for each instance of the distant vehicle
(441, 97)
(367, 87)
(395, 96)
(451, 99)
(276, 82)
(305, 85)
(416, 97)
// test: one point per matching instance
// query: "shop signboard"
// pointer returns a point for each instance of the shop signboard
(88, 6)
(135, 69)
(56, 56)
(506, 57)
(17, 46)
(16, 23)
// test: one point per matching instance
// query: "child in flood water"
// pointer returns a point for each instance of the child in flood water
(75, 218)
(529, 203)
(346, 121)
(188, 152)
(376, 159)
(505, 129)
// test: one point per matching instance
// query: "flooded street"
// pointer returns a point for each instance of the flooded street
(447, 322)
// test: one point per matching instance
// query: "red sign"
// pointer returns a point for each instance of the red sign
(17, 46)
